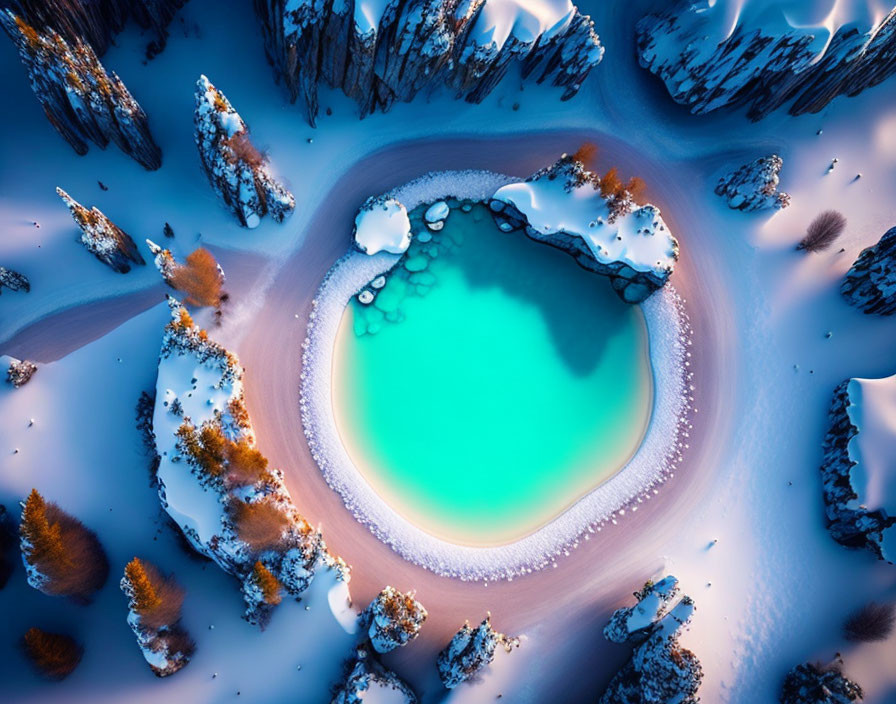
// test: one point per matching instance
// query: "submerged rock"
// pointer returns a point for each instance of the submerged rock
(660, 671)
(235, 168)
(471, 650)
(763, 61)
(103, 238)
(858, 481)
(382, 53)
(870, 284)
(754, 186)
(811, 684)
(566, 206)
(364, 676)
(13, 280)
(81, 99)
(392, 619)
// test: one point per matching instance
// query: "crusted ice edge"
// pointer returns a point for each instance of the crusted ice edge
(660, 453)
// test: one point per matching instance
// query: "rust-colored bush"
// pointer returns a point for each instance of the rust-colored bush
(586, 154)
(260, 525)
(53, 654)
(199, 278)
(156, 598)
(206, 447)
(268, 584)
(636, 188)
(245, 151)
(246, 465)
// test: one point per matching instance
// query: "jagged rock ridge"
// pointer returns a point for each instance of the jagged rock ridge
(13, 280)
(83, 101)
(870, 284)
(380, 52)
(103, 238)
(471, 650)
(237, 171)
(97, 22)
(763, 64)
(754, 186)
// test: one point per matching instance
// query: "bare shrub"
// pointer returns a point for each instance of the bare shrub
(53, 654)
(873, 622)
(823, 231)
(260, 525)
(199, 278)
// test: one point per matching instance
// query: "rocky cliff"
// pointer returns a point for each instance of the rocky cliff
(745, 54)
(598, 224)
(854, 469)
(83, 101)
(660, 670)
(13, 280)
(471, 650)
(382, 51)
(754, 186)
(870, 284)
(97, 22)
(237, 171)
(103, 238)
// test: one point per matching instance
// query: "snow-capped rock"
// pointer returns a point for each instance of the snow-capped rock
(237, 171)
(201, 428)
(367, 680)
(764, 55)
(382, 51)
(870, 284)
(436, 214)
(18, 371)
(563, 206)
(471, 650)
(660, 670)
(382, 225)
(98, 22)
(392, 619)
(103, 238)
(13, 280)
(81, 99)
(754, 186)
(858, 469)
(811, 684)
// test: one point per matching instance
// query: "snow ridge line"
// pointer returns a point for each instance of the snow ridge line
(659, 455)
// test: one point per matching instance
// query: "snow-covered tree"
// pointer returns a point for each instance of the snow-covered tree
(237, 171)
(471, 650)
(103, 238)
(393, 619)
(83, 101)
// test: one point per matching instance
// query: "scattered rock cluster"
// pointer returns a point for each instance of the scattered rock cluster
(392, 619)
(18, 371)
(103, 238)
(762, 67)
(414, 46)
(813, 684)
(83, 101)
(660, 670)
(471, 650)
(235, 168)
(870, 284)
(754, 186)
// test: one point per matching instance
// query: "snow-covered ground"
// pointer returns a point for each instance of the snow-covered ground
(772, 592)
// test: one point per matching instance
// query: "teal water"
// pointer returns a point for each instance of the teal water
(491, 383)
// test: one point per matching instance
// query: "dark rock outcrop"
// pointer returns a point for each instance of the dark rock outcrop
(417, 45)
(83, 101)
(870, 284)
(471, 650)
(102, 237)
(365, 671)
(13, 280)
(811, 684)
(763, 67)
(237, 171)
(849, 523)
(97, 22)
(660, 671)
(754, 186)
(392, 620)
(18, 371)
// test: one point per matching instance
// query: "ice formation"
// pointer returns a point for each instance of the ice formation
(660, 452)
(237, 171)
(201, 428)
(754, 186)
(870, 284)
(382, 225)
(859, 466)
(382, 51)
(563, 206)
(81, 99)
(764, 54)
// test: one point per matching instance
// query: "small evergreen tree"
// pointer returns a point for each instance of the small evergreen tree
(267, 583)
(245, 464)
(260, 525)
(155, 598)
(144, 597)
(41, 541)
(54, 655)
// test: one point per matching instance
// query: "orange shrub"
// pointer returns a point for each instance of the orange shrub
(55, 655)
(199, 278)
(260, 525)
(268, 584)
(156, 598)
(246, 465)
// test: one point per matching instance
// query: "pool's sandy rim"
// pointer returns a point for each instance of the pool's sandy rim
(655, 460)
